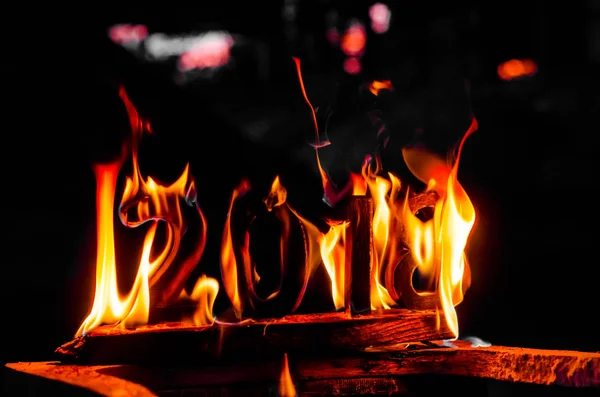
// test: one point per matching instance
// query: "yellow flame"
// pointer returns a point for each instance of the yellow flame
(333, 256)
(143, 201)
(286, 384)
(109, 307)
(382, 229)
(204, 294)
(438, 245)
(277, 195)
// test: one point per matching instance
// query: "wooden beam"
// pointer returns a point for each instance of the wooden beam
(314, 334)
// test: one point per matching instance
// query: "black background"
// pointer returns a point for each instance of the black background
(530, 170)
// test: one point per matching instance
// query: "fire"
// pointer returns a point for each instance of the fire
(228, 259)
(286, 385)
(402, 239)
(384, 230)
(108, 306)
(438, 245)
(143, 201)
(204, 294)
(333, 256)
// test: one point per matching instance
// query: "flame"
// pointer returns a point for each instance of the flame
(143, 201)
(377, 86)
(383, 230)
(277, 195)
(437, 245)
(286, 385)
(333, 256)
(108, 306)
(204, 294)
(228, 260)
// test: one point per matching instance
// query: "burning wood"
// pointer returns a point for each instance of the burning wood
(371, 247)
(308, 334)
(370, 252)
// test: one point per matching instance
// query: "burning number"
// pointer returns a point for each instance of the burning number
(246, 288)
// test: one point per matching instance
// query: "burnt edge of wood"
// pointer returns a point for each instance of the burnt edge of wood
(311, 334)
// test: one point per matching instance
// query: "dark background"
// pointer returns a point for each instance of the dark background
(529, 170)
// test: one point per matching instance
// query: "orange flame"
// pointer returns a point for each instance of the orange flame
(143, 201)
(204, 294)
(333, 255)
(437, 245)
(286, 385)
(228, 260)
(384, 228)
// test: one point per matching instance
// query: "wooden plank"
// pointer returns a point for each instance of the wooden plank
(314, 334)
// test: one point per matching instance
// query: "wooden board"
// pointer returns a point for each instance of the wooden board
(314, 334)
